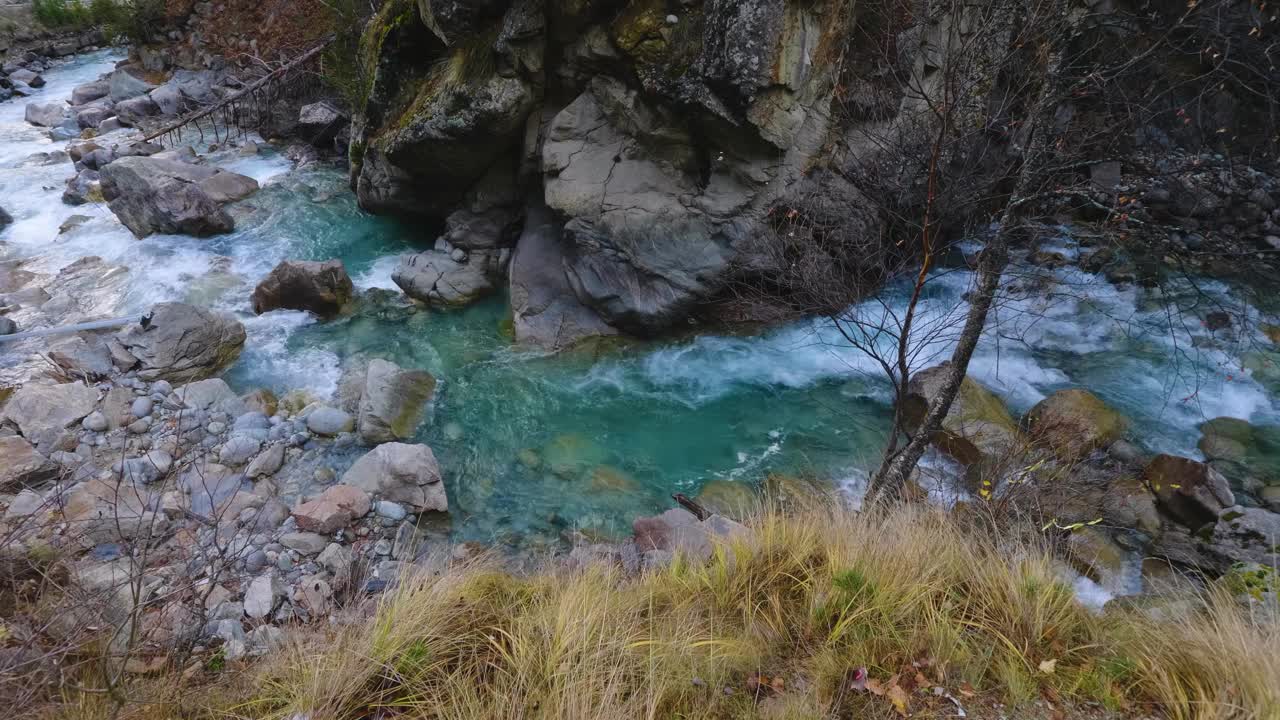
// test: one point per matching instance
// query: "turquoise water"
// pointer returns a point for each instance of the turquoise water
(533, 445)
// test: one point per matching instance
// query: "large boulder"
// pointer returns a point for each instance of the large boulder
(87, 93)
(47, 114)
(319, 123)
(21, 465)
(545, 311)
(1191, 492)
(978, 430)
(319, 287)
(125, 84)
(401, 473)
(393, 402)
(1073, 423)
(183, 343)
(437, 278)
(43, 413)
(152, 195)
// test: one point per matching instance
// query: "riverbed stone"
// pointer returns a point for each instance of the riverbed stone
(46, 114)
(1073, 423)
(267, 463)
(1191, 492)
(402, 473)
(329, 421)
(334, 509)
(393, 402)
(323, 288)
(21, 464)
(88, 92)
(184, 343)
(264, 592)
(225, 187)
(125, 83)
(307, 543)
(44, 412)
(237, 450)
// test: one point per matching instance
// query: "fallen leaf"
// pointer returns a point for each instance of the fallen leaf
(898, 697)
(967, 690)
(874, 687)
(778, 685)
(1048, 666)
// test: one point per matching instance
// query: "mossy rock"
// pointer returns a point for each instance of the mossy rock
(570, 455)
(607, 478)
(793, 493)
(1073, 423)
(294, 401)
(1095, 554)
(732, 499)
(1252, 580)
(641, 30)
(1248, 455)
(978, 431)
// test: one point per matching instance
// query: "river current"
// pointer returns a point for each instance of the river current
(637, 422)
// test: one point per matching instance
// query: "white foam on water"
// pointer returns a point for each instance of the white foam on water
(378, 275)
(1091, 594)
(275, 364)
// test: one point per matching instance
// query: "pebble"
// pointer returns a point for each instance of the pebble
(390, 510)
(139, 427)
(382, 547)
(95, 422)
(216, 427)
(141, 407)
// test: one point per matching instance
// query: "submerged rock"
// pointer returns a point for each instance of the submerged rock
(183, 343)
(322, 288)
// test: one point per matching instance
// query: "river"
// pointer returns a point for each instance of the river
(636, 423)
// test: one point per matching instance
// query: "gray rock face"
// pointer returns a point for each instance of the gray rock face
(267, 463)
(44, 412)
(184, 343)
(393, 402)
(92, 116)
(437, 278)
(684, 136)
(329, 421)
(150, 195)
(545, 310)
(323, 288)
(47, 114)
(402, 473)
(21, 464)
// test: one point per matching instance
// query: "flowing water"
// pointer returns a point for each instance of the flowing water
(532, 445)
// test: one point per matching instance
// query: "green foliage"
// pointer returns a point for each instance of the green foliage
(135, 21)
(341, 66)
(62, 13)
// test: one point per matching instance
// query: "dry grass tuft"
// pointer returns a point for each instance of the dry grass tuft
(776, 625)
(808, 600)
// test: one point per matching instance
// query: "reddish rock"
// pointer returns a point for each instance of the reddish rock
(333, 510)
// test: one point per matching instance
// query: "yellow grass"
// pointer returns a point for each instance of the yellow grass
(806, 599)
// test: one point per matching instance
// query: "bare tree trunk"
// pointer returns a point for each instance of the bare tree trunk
(890, 479)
